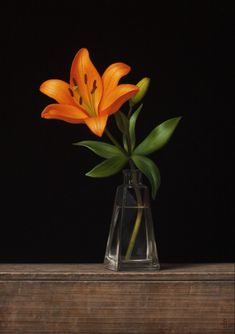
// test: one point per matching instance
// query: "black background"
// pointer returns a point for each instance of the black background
(52, 212)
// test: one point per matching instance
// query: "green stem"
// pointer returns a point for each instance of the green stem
(130, 110)
(128, 141)
(138, 216)
(137, 192)
(115, 142)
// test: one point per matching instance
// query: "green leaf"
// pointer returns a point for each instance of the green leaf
(122, 122)
(150, 170)
(132, 123)
(125, 142)
(108, 167)
(102, 149)
(158, 137)
(133, 120)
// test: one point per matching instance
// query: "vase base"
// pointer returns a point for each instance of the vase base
(131, 265)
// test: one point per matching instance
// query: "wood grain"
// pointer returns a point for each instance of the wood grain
(180, 271)
(86, 299)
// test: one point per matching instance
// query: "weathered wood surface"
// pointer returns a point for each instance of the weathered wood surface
(87, 299)
(97, 272)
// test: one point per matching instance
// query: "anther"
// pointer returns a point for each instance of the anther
(75, 82)
(85, 79)
(80, 100)
(71, 92)
(94, 87)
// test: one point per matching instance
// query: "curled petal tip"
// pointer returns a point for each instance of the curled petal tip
(44, 113)
(97, 124)
(41, 88)
(65, 113)
(57, 90)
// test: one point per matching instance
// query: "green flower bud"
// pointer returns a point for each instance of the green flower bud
(143, 88)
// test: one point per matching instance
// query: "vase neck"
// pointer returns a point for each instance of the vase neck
(132, 176)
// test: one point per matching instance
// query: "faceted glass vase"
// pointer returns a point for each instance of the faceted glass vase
(131, 242)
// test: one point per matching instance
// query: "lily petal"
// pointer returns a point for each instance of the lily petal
(116, 98)
(57, 90)
(85, 75)
(112, 75)
(97, 124)
(64, 112)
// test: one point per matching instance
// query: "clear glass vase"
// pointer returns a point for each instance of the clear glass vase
(131, 243)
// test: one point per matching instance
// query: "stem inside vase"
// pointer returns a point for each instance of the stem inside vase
(137, 193)
(138, 216)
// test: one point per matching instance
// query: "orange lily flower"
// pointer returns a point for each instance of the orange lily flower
(88, 98)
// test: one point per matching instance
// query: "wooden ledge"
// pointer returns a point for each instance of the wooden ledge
(88, 299)
(97, 272)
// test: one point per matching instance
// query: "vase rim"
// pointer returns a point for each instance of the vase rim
(131, 170)
(132, 176)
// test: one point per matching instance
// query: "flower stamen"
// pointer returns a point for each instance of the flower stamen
(94, 87)
(75, 82)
